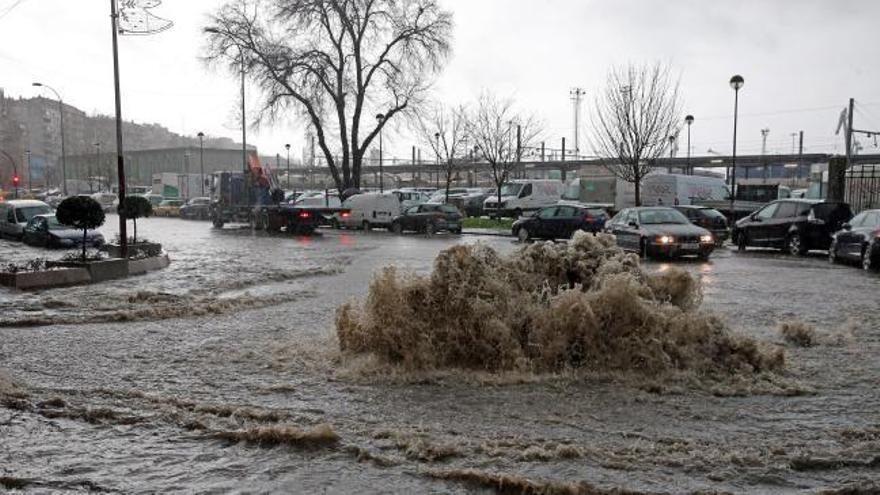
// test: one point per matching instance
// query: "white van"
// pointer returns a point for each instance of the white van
(15, 214)
(520, 196)
(368, 210)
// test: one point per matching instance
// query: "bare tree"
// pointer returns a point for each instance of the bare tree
(336, 63)
(634, 118)
(501, 135)
(446, 132)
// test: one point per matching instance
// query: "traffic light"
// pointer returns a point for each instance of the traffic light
(15, 180)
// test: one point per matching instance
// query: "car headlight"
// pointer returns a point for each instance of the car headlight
(706, 239)
(665, 239)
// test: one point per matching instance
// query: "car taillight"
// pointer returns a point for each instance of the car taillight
(877, 233)
(439, 216)
(345, 214)
(305, 214)
(589, 219)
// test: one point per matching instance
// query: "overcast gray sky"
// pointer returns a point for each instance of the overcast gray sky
(801, 61)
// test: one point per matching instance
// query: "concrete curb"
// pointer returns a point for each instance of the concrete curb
(489, 232)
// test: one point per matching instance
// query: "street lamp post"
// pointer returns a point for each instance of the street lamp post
(97, 165)
(381, 119)
(287, 147)
(689, 120)
(63, 153)
(736, 82)
(202, 160)
(15, 178)
(30, 176)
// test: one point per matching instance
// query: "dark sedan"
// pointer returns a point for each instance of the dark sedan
(794, 225)
(196, 209)
(659, 231)
(428, 218)
(46, 231)
(858, 240)
(560, 222)
(708, 218)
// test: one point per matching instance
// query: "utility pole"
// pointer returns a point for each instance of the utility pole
(576, 95)
(30, 177)
(202, 160)
(800, 155)
(849, 132)
(764, 133)
(563, 159)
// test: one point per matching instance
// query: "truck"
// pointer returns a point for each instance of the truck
(172, 185)
(258, 200)
(658, 189)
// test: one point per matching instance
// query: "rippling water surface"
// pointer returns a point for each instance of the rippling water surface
(220, 374)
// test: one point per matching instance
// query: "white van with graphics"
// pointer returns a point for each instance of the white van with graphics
(368, 210)
(520, 196)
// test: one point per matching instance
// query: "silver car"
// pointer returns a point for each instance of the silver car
(15, 214)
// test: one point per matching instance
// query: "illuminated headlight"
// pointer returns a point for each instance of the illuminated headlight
(706, 239)
(665, 239)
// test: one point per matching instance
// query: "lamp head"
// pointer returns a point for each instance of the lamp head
(689, 119)
(287, 146)
(736, 82)
(380, 117)
(201, 134)
(37, 84)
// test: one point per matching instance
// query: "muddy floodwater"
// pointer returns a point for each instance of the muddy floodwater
(222, 374)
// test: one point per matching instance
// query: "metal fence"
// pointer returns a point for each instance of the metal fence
(862, 190)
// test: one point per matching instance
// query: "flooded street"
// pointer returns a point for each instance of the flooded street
(222, 374)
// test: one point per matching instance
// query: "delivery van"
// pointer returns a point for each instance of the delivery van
(521, 196)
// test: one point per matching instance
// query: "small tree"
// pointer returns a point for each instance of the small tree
(501, 134)
(446, 131)
(135, 207)
(634, 119)
(80, 212)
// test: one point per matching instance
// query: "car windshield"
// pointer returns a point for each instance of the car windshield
(710, 213)
(448, 209)
(25, 213)
(54, 224)
(659, 216)
(511, 189)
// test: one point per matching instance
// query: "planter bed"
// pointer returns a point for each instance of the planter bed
(64, 273)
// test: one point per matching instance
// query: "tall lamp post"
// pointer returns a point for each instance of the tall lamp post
(381, 119)
(736, 82)
(97, 165)
(63, 153)
(15, 178)
(287, 147)
(689, 120)
(202, 160)
(30, 176)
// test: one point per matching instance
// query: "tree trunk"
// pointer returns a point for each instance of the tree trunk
(448, 181)
(135, 238)
(638, 189)
(498, 205)
(85, 234)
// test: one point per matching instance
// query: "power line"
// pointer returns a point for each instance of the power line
(11, 8)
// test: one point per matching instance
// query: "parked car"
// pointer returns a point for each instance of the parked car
(319, 200)
(108, 201)
(168, 208)
(660, 231)
(368, 210)
(196, 209)
(708, 218)
(794, 225)
(521, 196)
(858, 240)
(470, 203)
(155, 199)
(16, 213)
(428, 218)
(560, 222)
(47, 231)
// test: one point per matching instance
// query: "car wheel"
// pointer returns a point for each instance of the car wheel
(832, 252)
(456, 231)
(367, 227)
(795, 245)
(430, 229)
(334, 224)
(397, 228)
(742, 241)
(867, 263)
(523, 234)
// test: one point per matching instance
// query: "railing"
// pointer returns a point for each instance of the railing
(862, 190)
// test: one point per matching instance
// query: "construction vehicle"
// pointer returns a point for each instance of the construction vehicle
(255, 197)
